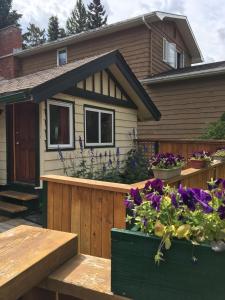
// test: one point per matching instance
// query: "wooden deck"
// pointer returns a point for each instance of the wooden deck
(7, 223)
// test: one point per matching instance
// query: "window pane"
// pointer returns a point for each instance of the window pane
(62, 57)
(106, 128)
(59, 125)
(92, 131)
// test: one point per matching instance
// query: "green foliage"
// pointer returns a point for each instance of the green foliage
(7, 15)
(96, 15)
(215, 130)
(34, 36)
(136, 166)
(77, 22)
(54, 31)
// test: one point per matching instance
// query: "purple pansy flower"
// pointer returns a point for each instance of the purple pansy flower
(221, 212)
(135, 194)
(187, 197)
(128, 203)
(174, 200)
(155, 185)
(155, 200)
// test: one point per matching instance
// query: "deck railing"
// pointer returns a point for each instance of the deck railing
(183, 147)
(91, 208)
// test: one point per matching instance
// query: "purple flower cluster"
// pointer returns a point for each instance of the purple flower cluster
(201, 155)
(192, 198)
(166, 161)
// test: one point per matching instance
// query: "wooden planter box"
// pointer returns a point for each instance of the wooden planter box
(135, 274)
(198, 164)
(165, 174)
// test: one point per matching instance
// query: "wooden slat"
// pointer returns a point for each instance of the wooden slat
(66, 208)
(85, 220)
(107, 222)
(12, 208)
(96, 223)
(75, 213)
(29, 254)
(50, 206)
(57, 215)
(119, 211)
(18, 195)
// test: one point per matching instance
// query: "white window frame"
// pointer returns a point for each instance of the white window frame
(58, 52)
(99, 110)
(166, 48)
(70, 105)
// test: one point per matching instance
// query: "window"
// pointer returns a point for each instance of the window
(61, 57)
(60, 125)
(99, 127)
(171, 56)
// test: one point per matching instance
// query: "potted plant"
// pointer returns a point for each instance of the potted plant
(168, 253)
(200, 160)
(219, 155)
(166, 165)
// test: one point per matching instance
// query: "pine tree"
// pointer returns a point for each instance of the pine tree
(78, 20)
(53, 28)
(34, 36)
(7, 15)
(96, 15)
(62, 33)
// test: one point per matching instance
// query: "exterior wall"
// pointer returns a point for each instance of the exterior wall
(133, 43)
(3, 174)
(125, 122)
(187, 107)
(169, 31)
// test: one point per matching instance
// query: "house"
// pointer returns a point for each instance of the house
(98, 98)
(152, 44)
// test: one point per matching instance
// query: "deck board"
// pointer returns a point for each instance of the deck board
(84, 277)
(8, 223)
(28, 255)
(18, 195)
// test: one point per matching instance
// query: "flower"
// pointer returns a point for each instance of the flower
(187, 198)
(159, 229)
(201, 155)
(155, 185)
(135, 194)
(221, 212)
(166, 161)
(155, 200)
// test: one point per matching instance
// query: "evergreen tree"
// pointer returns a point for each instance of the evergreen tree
(78, 19)
(53, 28)
(62, 33)
(7, 15)
(34, 36)
(96, 14)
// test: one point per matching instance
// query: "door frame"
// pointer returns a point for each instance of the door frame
(9, 147)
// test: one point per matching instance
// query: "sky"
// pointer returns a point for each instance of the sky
(206, 17)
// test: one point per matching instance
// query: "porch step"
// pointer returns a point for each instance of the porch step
(11, 208)
(18, 195)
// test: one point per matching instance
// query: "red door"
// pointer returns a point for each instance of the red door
(24, 142)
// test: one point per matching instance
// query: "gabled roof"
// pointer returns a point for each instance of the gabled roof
(204, 70)
(47, 83)
(180, 20)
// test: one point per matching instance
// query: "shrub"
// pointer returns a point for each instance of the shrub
(215, 130)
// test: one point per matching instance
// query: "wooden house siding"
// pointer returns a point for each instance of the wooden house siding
(2, 145)
(125, 122)
(133, 43)
(187, 108)
(169, 31)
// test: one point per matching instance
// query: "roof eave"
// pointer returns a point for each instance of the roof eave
(186, 76)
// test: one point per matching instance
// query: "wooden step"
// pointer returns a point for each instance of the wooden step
(12, 208)
(18, 195)
(28, 255)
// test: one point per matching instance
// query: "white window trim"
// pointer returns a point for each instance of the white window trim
(166, 46)
(71, 125)
(59, 50)
(99, 127)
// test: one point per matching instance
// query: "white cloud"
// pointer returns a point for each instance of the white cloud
(206, 18)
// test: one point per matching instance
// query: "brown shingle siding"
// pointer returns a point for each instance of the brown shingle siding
(187, 107)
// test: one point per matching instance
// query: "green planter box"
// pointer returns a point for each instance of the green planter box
(135, 274)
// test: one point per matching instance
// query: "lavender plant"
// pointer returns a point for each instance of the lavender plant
(184, 213)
